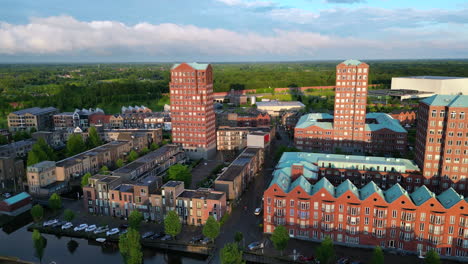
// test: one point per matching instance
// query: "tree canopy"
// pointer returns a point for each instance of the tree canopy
(55, 202)
(94, 140)
(68, 215)
(134, 219)
(37, 212)
(40, 151)
(231, 254)
(432, 257)
(211, 228)
(132, 156)
(39, 243)
(180, 172)
(119, 163)
(325, 252)
(130, 247)
(85, 179)
(75, 144)
(280, 238)
(172, 225)
(377, 256)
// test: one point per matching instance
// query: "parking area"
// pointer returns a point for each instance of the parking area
(203, 170)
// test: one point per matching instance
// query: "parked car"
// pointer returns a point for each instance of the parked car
(158, 235)
(113, 231)
(101, 229)
(67, 225)
(123, 226)
(166, 238)
(91, 228)
(80, 227)
(50, 222)
(148, 234)
(306, 258)
(255, 245)
(258, 211)
(342, 261)
(59, 224)
(205, 241)
(196, 239)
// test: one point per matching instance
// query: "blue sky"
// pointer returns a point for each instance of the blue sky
(231, 30)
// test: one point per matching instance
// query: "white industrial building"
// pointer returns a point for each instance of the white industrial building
(432, 84)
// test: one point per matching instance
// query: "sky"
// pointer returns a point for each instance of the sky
(231, 30)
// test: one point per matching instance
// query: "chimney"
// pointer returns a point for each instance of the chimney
(296, 171)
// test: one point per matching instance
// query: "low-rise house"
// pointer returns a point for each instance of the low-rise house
(42, 179)
(18, 149)
(16, 204)
(141, 137)
(406, 117)
(235, 138)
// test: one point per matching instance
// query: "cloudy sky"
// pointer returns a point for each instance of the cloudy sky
(231, 30)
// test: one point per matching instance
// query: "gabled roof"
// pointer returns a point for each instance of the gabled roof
(384, 121)
(395, 192)
(346, 186)
(324, 183)
(303, 183)
(196, 66)
(370, 189)
(449, 198)
(282, 180)
(313, 120)
(421, 195)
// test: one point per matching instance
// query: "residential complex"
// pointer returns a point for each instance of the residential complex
(350, 129)
(441, 149)
(37, 118)
(366, 217)
(406, 117)
(235, 138)
(193, 118)
(249, 118)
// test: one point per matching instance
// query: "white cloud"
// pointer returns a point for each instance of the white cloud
(245, 3)
(64, 35)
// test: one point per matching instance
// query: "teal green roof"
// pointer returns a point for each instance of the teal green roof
(324, 183)
(447, 100)
(395, 192)
(196, 66)
(421, 195)
(384, 121)
(301, 181)
(17, 198)
(346, 186)
(351, 62)
(309, 120)
(369, 189)
(449, 198)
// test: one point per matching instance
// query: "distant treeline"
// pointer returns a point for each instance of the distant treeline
(109, 86)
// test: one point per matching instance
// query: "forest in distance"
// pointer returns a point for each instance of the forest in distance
(110, 86)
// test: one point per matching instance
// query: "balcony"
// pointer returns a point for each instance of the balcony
(328, 210)
(381, 216)
(327, 219)
(356, 222)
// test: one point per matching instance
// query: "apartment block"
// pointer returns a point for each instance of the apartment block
(441, 149)
(235, 138)
(38, 118)
(413, 222)
(18, 149)
(42, 179)
(247, 118)
(192, 112)
(11, 169)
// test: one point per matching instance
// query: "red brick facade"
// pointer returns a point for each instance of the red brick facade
(193, 118)
(406, 117)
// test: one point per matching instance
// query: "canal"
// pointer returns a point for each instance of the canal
(16, 241)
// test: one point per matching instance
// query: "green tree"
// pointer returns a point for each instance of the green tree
(68, 215)
(94, 140)
(55, 202)
(75, 145)
(280, 238)
(40, 151)
(3, 140)
(37, 212)
(132, 156)
(154, 146)
(432, 257)
(238, 236)
(130, 247)
(172, 225)
(119, 163)
(180, 172)
(104, 170)
(85, 179)
(144, 151)
(378, 256)
(231, 254)
(134, 219)
(39, 243)
(325, 252)
(211, 228)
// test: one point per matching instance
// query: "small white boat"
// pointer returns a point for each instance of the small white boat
(80, 227)
(100, 239)
(90, 228)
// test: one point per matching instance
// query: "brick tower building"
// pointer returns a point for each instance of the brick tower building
(442, 142)
(350, 104)
(193, 118)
